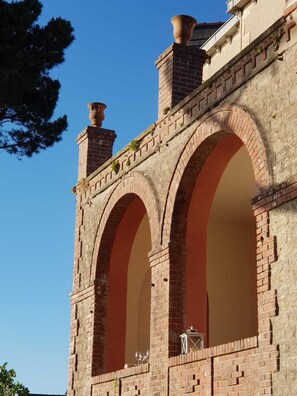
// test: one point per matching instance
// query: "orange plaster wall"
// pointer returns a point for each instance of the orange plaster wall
(139, 294)
(231, 270)
(116, 320)
(198, 214)
(231, 255)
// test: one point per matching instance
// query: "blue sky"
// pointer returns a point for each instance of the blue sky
(111, 61)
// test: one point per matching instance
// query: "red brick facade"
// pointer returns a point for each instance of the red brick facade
(180, 72)
(161, 174)
(95, 149)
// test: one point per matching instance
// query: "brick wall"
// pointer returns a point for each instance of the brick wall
(95, 148)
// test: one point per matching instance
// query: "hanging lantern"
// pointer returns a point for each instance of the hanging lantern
(191, 341)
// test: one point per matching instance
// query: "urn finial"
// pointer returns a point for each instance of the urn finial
(183, 26)
(96, 115)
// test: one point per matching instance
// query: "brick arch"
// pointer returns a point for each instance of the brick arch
(212, 128)
(134, 183)
(229, 128)
(131, 198)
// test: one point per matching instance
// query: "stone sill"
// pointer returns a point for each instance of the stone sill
(219, 350)
(115, 375)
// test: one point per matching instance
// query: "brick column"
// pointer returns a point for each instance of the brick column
(95, 147)
(158, 383)
(167, 295)
(180, 72)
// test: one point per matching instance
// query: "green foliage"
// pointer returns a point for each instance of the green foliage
(258, 50)
(115, 166)
(133, 145)
(116, 383)
(277, 38)
(8, 385)
(166, 110)
(81, 186)
(28, 95)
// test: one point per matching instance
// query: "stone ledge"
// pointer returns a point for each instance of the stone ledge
(225, 349)
(124, 373)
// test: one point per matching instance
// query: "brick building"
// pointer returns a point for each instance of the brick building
(193, 223)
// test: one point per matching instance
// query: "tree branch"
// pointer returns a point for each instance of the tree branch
(6, 146)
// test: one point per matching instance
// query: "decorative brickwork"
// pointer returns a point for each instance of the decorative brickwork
(191, 379)
(222, 371)
(131, 381)
(212, 128)
(134, 183)
(245, 373)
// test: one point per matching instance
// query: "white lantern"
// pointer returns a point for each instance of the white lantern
(191, 341)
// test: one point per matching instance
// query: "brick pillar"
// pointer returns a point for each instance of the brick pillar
(159, 335)
(95, 147)
(180, 72)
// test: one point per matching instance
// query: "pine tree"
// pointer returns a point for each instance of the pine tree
(28, 95)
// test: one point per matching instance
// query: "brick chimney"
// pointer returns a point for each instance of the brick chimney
(94, 142)
(180, 66)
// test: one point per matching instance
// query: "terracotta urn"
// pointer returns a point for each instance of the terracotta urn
(96, 115)
(183, 26)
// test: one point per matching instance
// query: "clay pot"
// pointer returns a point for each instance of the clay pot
(96, 115)
(183, 26)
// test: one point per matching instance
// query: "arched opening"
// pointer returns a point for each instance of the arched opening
(231, 255)
(221, 247)
(214, 191)
(122, 311)
(138, 294)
